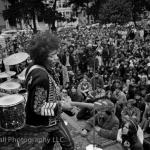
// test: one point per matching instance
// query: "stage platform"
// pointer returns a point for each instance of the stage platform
(74, 127)
(8, 139)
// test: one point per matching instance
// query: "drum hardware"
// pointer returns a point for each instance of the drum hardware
(12, 112)
(16, 58)
(23, 92)
(21, 76)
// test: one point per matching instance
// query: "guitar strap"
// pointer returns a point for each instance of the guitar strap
(34, 67)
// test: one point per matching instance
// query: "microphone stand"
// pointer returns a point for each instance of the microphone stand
(94, 131)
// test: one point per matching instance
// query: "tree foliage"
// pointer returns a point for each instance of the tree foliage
(28, 10)
(95, 9)
(115, 11)
(137, 8)
(49, 16)
(23, 10)
(14, 12)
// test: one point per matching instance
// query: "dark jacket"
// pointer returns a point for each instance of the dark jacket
(38, 79)
(134, 142)
(97, 81)
(75, 97)
(109, 128)
(71, 60)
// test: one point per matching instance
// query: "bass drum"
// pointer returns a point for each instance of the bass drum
(12, 112)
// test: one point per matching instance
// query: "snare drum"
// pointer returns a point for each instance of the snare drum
(12, 112)
(10, 87)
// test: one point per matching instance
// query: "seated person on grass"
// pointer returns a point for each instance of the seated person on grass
(106, 123)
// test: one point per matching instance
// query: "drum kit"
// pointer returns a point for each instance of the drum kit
(12, 116)
(12, 105)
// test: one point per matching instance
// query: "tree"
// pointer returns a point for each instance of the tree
(14, 12)
(137, 8)
(28, 10)
(50, 16)
(23, 9)
(31, 9)
(115, 11)
(87, 7)
(95, 8)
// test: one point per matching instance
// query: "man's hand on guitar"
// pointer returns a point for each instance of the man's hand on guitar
(97, 129)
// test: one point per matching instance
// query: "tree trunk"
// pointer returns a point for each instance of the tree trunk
(134, 20)
(49, 26)
(133, 13)
(53, 26)
(88, 17)
(34, 21)
(20, 23)
(53, 23)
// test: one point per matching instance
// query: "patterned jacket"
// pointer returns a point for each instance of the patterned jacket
(131, 112)
(42, 102)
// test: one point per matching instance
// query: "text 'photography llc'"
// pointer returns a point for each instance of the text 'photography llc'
(30, 140)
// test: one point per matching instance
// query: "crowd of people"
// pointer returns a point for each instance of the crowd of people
(108, 63)
(105, 65)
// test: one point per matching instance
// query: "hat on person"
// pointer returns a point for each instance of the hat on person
(104, 105)
(147, 98)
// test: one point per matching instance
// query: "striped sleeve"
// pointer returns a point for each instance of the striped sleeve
(41, 107)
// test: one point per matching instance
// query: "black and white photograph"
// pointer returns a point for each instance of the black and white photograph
(74, 74)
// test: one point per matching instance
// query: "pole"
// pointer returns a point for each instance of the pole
(94, 144)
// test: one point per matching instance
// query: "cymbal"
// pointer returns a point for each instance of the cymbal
(16, 58)
(7, 74)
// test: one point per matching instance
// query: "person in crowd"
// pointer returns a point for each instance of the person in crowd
(123, 56)
(90, 72)
(145, 124)
(120, 97)
(43, 105)
(65, 75)
(106, 122)
(75, 95)
(84, 86)
(129, 137)
(132, 89)
(99, 93)
(130, 111)
(66, 99)
(67, 60)
(92, 96)
(97, 80)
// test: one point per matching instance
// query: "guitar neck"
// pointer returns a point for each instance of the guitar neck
(82, 104)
